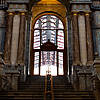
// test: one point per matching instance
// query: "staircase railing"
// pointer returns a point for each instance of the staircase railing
(46, 85)
(52, 87)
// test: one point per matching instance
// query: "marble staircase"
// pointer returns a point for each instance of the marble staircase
(34, 89)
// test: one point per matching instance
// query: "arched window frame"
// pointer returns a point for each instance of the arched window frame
(59, 29)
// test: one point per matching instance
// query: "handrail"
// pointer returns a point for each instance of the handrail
(46, 92)
(45, 87)
(52, 87)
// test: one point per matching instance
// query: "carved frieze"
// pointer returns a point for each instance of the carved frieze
(77, 7)
(17, 7)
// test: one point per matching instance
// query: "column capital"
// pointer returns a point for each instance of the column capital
(75, 14)
(10, 13)
(23, 13)
(87, 14)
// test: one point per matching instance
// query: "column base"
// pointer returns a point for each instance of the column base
(20, 63)
(84, 81)
(75, 63)
(89, 63)
(6, 62)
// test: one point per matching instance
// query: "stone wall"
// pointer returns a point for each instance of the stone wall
(96, 30)
(2, 29)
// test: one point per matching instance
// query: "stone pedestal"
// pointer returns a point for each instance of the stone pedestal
(12, 78)
(81, 78)
(85, 84)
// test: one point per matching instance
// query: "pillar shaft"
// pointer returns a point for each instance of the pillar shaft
(76, 46)
(8, 38)
(89, 41)
(21, 44)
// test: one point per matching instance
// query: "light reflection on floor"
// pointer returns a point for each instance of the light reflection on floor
(51, 68)
(45, 68)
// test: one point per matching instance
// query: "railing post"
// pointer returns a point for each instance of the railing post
(46, 87)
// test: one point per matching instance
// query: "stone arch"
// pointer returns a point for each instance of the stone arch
(40, 11)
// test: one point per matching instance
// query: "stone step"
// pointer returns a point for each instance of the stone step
(77, 92)
(73, 96)
(21, 98)
(74, 99)
(21, 93)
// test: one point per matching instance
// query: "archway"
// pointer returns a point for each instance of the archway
(48, 45)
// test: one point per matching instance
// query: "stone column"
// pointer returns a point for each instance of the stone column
(8, 38)
(89, 41)
(76, 46)
(27, 47)
(21, 44)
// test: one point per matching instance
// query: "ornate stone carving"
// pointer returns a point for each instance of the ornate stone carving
(7, 49)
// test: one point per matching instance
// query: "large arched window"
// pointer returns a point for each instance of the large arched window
(48, 30)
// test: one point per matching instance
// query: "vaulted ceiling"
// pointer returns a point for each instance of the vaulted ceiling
(34, 2)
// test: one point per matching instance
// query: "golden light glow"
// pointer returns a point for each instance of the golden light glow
(74, 14)
(10, 13)
(87, 14)
(22, 13)
(49, 2)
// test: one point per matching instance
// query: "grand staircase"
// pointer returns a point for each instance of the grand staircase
(34, 89)
(63, 90)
